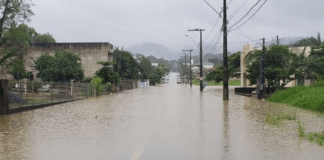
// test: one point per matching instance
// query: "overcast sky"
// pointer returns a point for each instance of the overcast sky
(129, 22)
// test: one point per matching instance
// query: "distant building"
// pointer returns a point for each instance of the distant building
(155, 64)
(248, 49)
(90, 54)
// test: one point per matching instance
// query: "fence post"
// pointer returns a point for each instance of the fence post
(66, 91)
(58, 91)
(51, 87)
(32, 93)
(4, 97)
(20, 94)
(42, 92)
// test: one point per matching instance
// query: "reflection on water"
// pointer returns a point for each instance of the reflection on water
(170, 121)
(226, 138)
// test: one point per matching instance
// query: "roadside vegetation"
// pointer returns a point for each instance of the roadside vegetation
(317, 137)
(233, 66)
(213, 83)
(304, 97)
(275, 119)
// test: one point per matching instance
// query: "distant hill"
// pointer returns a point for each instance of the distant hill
(210, 50)
(157, 50)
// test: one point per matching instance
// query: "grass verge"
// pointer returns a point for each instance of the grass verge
(211, 83)
(304, 97)
(275, 119)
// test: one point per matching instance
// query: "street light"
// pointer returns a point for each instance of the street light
(192, 39)
(190, 74)
(185, 63)
(201, 52)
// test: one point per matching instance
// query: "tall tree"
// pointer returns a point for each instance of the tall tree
(234, 62)
(62, 67)
(44, 38)
(280, 65)
(319, 38)
(107, 74)
(126, 65)
(13, 12)
(146, 68)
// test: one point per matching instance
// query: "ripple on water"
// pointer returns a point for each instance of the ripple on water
(161, 122)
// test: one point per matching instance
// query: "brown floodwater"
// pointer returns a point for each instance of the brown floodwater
(166, 122)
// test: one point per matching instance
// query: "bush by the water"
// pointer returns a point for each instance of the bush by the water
(304, 97)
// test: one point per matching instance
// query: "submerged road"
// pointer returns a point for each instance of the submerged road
(165, 122)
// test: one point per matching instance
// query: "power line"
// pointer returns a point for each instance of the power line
(193, 9)
(240, 30)
(198, 13)
(212, 29)
(239, 7)
(215, 43)
(228, 3)
(251, 16)
(216, 37)
(245, 14)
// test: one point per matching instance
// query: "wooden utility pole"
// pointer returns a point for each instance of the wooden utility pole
(190, 74)
(261, 86)
(225, 60)
(185, 71)
(201, 52)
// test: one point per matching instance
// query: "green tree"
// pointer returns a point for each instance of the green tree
(280, 64)
(126, 65)
(106, 74)
(316, 60)
(63, 66)
(16, 44)
(146, 68)
(216, 75)
(234, 62)
(13, 12)
(312, 41)
(44, 38)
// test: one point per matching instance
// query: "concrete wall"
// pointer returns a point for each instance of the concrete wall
(4, 100)
(90, 54)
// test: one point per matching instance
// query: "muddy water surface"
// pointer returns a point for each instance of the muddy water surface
(167, 122)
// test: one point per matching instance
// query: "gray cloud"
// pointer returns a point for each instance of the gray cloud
(129, 22)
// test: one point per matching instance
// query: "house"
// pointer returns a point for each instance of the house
(247, 49)
(155, 64)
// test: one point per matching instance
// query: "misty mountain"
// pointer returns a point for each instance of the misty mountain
(282, 41)
(157, 50)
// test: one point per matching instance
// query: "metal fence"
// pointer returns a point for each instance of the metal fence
(23, 94)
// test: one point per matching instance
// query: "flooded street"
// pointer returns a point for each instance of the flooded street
(165, 122)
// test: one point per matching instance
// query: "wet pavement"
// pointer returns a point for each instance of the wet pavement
(166, 122)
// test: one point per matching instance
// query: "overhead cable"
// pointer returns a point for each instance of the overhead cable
(251, 16)
(245, 14)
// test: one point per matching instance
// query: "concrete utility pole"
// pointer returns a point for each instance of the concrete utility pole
(201, 52)
(261, 87)
(185, 71)
(225, 61)
(190, 74)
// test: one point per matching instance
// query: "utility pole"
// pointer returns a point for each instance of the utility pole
(190, 66)
(225, 61)
(185, 72)
(182, 70)
(201, 52)
(277, 40)
(261, 86)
